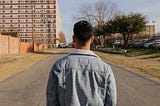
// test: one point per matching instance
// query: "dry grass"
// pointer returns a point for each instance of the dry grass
(150, 67)
(12, 64)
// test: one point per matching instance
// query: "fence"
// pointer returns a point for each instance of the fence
(8, 45)
(12, 45)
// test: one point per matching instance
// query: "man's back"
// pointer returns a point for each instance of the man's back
(81, 79)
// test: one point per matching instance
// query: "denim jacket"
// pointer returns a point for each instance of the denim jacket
(81, 79)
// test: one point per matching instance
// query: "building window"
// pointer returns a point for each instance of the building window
(54, 12)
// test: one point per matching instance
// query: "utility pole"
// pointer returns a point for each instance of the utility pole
(44, 36)
(50, 24)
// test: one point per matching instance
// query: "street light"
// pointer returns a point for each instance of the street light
(154, 28)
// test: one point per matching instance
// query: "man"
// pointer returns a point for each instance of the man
(81, 78)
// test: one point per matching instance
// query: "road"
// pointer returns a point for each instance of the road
(135, 89)
(28, 87)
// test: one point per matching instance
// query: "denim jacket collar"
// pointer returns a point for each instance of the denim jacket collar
(82, 52)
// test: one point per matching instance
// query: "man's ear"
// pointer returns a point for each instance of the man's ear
(74, 39)
(92, 39)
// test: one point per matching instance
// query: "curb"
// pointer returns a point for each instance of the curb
(109, 51)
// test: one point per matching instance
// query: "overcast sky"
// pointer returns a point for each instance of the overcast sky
(149, 8)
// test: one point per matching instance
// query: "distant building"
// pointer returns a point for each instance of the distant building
(149, 30)
(40, 18)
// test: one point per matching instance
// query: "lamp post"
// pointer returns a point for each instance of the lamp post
(154, 28)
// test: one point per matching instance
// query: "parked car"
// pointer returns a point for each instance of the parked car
(141, 43)
(62, 45)
(155, 44)
(132, 43)
(148, 43)
(137, 43)
(117, 43)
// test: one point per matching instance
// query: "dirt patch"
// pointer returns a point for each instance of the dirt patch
(12, 64)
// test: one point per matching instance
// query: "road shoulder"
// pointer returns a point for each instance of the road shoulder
(143, 67)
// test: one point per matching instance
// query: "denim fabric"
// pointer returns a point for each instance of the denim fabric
(81, 79)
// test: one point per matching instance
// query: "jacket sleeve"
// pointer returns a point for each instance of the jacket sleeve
(111, 93)
(52, 90)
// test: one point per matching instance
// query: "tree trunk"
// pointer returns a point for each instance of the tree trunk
(125, 38)
(97, 40)
(102, 40)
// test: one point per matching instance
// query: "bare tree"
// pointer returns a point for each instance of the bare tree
(9, 31)
(1, 28)
(62, 37)
(97, 13)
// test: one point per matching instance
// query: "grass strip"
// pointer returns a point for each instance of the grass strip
(145, 66)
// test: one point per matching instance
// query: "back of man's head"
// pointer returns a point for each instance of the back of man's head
(83, 31)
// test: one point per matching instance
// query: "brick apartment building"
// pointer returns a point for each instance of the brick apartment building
(40, 18)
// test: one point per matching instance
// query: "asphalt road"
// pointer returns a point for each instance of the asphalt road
(135, 89)
(28, 87)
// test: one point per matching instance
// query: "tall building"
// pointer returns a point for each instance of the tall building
(149, 30)
(33, 20)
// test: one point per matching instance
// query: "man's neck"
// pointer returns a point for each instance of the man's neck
(86, 47)
(83, 48)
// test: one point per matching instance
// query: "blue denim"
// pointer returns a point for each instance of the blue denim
(81, 79)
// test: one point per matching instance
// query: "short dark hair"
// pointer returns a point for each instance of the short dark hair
(83, 31)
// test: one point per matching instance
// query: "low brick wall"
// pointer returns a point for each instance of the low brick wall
(9, 45)
(3, 45)
(12, 45)
(38, 47)
(25, 47)
(13, 48)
